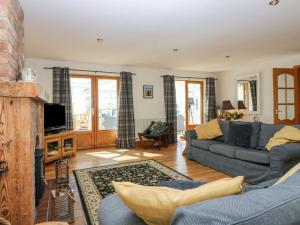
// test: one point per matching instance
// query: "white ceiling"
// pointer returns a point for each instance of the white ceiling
(143, 32)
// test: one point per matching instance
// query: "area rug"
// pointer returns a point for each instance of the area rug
(94, 184)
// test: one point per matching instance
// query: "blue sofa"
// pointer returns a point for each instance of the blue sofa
(261, 204)
(256, 164)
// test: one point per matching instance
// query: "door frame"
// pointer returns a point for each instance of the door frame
(201, 83)
(94, 111)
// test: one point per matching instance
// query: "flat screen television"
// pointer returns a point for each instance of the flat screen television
(54, 118)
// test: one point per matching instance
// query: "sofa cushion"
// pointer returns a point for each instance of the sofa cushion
(252, 155)
(276, 205)
(256, 127)
(239, 134)
(224, 149)
(224, 125)
(204, 144)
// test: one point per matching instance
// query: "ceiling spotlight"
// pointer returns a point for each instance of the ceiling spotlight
(175, 49)
(274, 2)
(99, 40)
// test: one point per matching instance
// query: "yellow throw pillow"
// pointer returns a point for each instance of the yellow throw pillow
(157, 205)
(288, 174)
(285, 135)
(209, 130)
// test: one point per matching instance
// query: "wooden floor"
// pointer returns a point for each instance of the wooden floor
(171, 156)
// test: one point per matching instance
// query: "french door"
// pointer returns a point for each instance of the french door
(286, 95)
(95, 112)
(189, 101)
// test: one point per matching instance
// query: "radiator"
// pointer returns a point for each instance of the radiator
(142, 124)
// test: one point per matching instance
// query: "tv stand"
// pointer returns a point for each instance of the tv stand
(59, 145)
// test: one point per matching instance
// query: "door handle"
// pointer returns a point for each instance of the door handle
(3, 167)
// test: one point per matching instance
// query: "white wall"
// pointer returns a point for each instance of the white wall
(144, 108)
(227, 89)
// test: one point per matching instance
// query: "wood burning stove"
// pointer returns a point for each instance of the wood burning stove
(39, 174)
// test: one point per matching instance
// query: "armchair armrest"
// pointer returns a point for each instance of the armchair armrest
(286, 152)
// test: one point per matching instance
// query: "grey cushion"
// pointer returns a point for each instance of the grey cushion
(204, 144)
(256, 127)
(224, 149)
(278, 205)
(224, 125)
(239, 134)
(267, 132)
(252, 155)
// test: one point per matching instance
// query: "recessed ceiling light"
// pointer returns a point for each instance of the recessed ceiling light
(175, 49)
(274, 2)
(99, 40)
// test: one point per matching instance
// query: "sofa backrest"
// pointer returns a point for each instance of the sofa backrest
(267, 131)
(275, 205)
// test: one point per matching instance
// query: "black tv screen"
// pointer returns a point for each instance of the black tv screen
(54, 116)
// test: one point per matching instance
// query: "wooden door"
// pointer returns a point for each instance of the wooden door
(107, 91)
(286, 95)
(194, 104)
(82, 89)
(94, 102)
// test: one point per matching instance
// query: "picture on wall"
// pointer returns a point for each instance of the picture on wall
(148, 91)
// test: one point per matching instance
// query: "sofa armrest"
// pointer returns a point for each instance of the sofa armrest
(286, 152)
(190, 134)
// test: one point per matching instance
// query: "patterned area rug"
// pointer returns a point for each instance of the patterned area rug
(94, 184)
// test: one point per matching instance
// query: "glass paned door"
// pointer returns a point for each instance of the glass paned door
(82, 109)
(107, 111)
(81, 89)
(189, 104)
(107, 104)
(95, 115)
(285, 96)
(194, 103)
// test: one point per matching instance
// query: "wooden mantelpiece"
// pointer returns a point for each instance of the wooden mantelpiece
(21, 132)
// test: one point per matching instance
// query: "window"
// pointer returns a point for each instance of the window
(81, 89)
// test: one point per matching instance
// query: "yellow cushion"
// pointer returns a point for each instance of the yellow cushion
(286, 135)
(157, 205)
(288, 174)
(209, 130)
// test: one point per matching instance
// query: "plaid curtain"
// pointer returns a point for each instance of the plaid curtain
(126, 126)
(62, 92)
(170, 106)
(210, 101)
(253, 90)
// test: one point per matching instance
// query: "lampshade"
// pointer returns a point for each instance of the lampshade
(226, 105)
(241, 105)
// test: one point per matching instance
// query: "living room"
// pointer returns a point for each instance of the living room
(137, 112)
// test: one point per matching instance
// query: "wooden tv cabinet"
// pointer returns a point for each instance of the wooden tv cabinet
(59, 145)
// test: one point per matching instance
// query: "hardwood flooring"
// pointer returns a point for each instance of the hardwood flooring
(171, 156)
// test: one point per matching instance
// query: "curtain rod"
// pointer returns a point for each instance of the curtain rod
(91, 71)
(199, 78)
